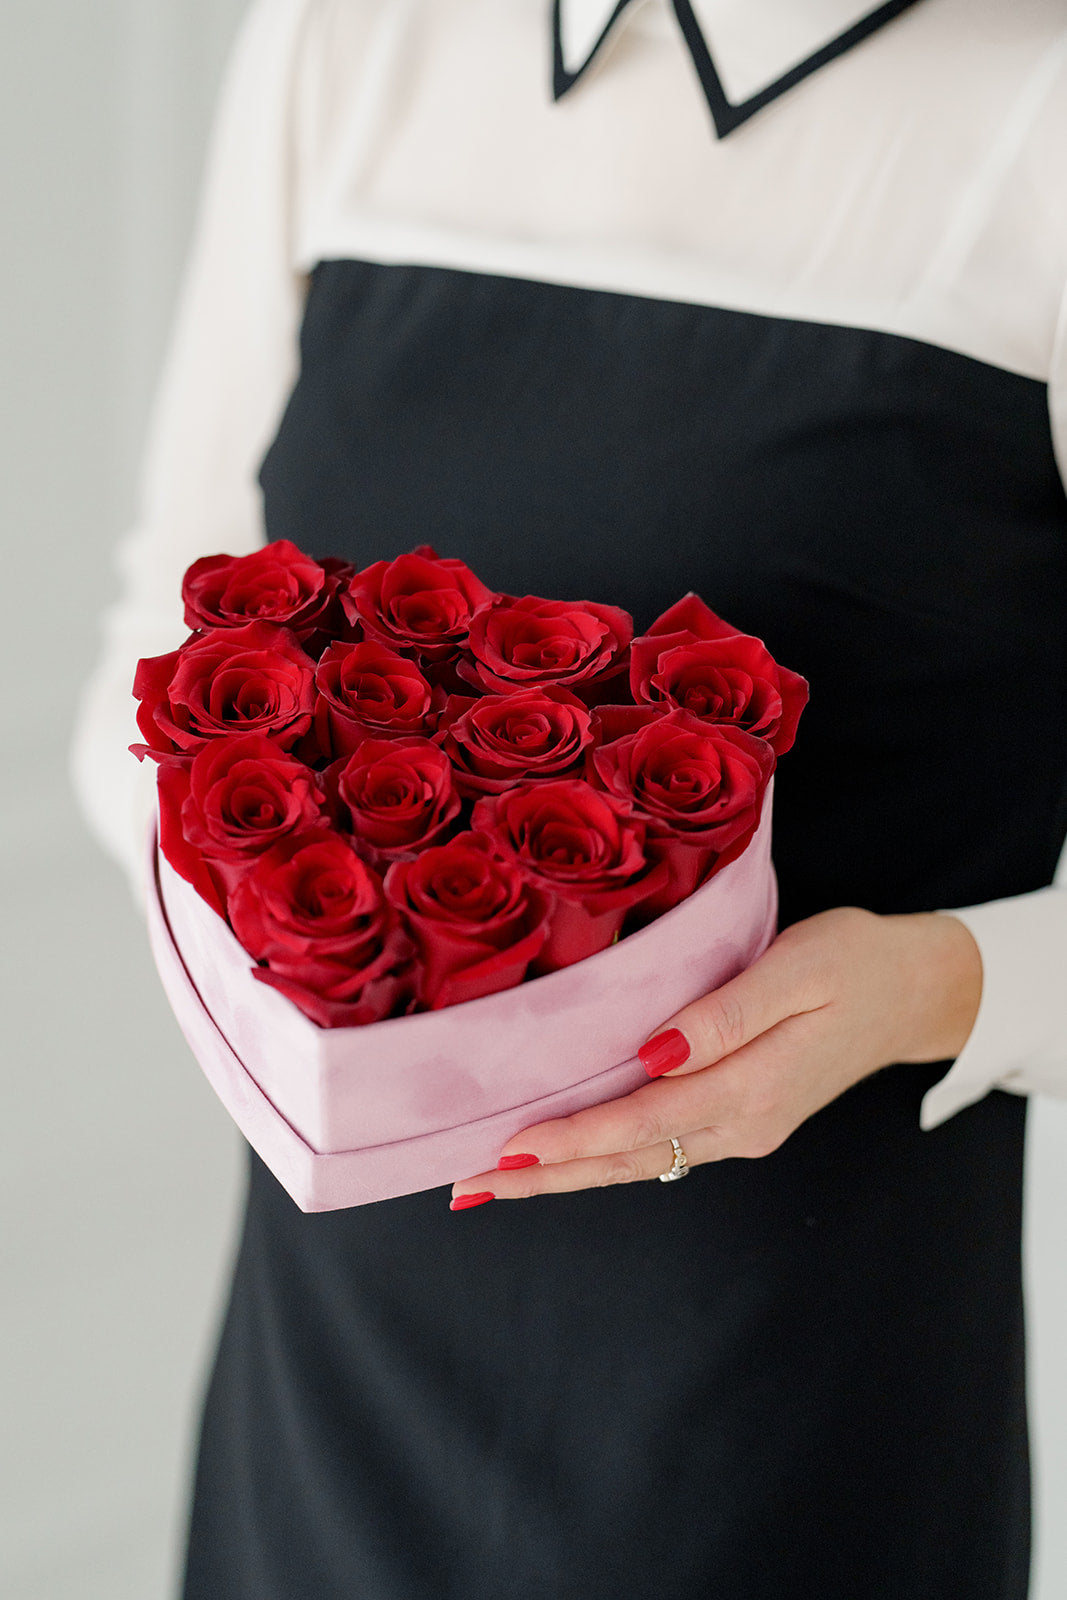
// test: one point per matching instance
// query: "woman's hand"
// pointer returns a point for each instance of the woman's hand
(830, 1002)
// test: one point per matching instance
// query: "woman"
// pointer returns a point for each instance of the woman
(801, 356)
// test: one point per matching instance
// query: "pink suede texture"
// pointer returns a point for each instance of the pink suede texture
(344, 1116)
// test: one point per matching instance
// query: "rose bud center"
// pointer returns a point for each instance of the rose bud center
(527, 732)
(324, 895)
(276, 600)
(368, 686)
(688, 780)
(249, 706)
(550, 654)
(712, 696)
(424, 614)
(566, 846)
(262, 601)
(235, 697)
(393, 792)
(251, 808)
(331, 895)
(470, 892)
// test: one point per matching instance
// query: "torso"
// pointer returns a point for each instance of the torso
(781, 1378)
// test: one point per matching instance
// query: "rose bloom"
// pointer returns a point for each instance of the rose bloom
(370, 691)
(396, 796)
(255, 679)
(530, 642)
(316, 915)
(420, 602)
(476, 920)
(234, 800)
(692, 659)
(275, 584)
(503, 739)
(699, 787)
(582, 850)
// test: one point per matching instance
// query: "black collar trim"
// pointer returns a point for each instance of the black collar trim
(562, 80)
(725, 115)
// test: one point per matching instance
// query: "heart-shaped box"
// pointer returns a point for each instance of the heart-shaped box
(343, 1116)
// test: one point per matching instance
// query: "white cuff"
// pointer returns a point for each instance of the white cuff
(1019, 1039)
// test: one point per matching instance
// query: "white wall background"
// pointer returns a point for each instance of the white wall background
(119, 1175)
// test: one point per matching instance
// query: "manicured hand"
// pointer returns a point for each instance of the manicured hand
(832, 1000)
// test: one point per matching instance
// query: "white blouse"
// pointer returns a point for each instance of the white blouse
(915, 183)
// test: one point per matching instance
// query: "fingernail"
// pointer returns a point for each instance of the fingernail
(513, 1163)
(665, 1052)
(463, 1202)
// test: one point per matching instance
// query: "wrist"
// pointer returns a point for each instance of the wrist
(942, 985)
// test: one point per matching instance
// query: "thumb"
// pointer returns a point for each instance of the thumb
(719, 1023)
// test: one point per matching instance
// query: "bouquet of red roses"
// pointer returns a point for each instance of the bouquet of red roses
(398, 790)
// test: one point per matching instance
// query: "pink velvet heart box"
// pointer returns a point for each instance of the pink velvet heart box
(343, 1116)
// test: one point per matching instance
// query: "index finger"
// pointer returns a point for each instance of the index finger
(720, 1023)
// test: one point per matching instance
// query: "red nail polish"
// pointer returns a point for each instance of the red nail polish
(665, 1052)
(463, 1202)
(513, 1163)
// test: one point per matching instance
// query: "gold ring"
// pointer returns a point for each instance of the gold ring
(678, 1167)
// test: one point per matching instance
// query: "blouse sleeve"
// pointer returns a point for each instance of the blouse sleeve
(1019, 1040)
(231, 363)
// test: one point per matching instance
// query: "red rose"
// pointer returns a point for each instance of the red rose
(234, 800)
(476, 921)
(532, 643)
(316, 914)
(692, 659)
(367, 690)
(504, 739)
(421, 602)
(276, 584)
(254, 679)
(697, 785)
(581, 849)
(395, 795)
